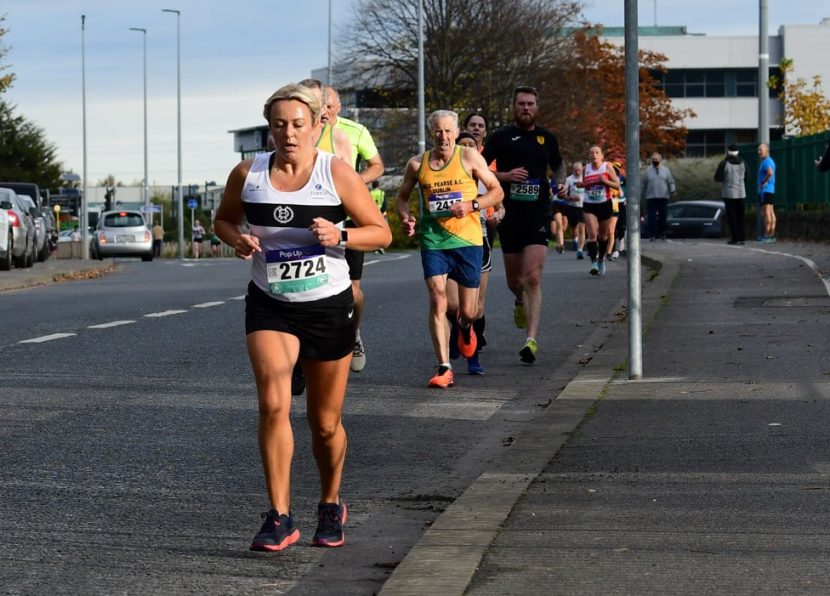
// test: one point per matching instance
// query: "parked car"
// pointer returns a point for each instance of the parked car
(51, 229)
(122, 234)
(6, 240)
(23, 229)
(695, 219)
(42, 250)
(25, 188)
(69, 236)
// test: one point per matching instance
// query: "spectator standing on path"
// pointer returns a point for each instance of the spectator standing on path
(656, 188)
(363, 149)
(766, 191)
(158, 239)
(823, 163)
(732, 175)
(299, 302)
(449, 230)
(525, 155)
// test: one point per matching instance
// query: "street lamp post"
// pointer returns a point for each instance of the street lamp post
(84, 204)
(179, 198)
(144, 185)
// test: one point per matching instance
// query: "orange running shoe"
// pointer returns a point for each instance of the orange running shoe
(467, 341)
(443, 379)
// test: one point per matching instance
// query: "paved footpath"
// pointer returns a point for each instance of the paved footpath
(54, 270)
(709, 475)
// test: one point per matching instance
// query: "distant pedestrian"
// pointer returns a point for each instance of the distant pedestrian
(215, 243)
(657, 186)
(198, 234)
(823, 163)
(766, 192)
(732, 174)
(158, 239)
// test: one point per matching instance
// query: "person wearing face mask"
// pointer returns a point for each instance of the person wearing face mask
(657, 186)
(732, 175)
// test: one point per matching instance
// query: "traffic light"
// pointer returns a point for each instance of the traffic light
(109, 198)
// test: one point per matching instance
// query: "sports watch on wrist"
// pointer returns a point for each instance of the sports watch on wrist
(344, 237)
(476, 206)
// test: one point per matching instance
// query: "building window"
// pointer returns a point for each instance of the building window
(715, 82)
(746, 83)
(703, 143)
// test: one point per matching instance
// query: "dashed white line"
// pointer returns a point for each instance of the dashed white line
(208, 304)
(242, 297)
(110, 324)
(43, 338)
(164, 313)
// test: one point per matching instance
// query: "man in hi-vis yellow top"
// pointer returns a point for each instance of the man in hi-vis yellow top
(449, 230)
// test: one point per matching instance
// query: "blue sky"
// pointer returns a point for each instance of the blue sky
(234, 54)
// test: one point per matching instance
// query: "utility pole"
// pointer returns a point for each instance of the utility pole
(763, 74)
(763, 94)
(144, 196)
(422, 141)
(84, 198)
(632, 189)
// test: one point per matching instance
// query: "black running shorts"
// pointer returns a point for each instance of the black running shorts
(574, 215)
(601, 211)
(523, 230)
(324, 327)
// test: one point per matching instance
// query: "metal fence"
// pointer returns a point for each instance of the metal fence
(798, 183)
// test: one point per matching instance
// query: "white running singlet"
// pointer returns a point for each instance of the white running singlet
(293, 266)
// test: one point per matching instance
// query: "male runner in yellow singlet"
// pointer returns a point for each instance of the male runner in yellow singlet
(449, 231)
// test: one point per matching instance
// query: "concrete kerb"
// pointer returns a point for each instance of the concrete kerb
(447, 556)
(54, 271)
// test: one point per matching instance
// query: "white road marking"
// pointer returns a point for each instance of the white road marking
(809, 262)
(242, 297)
(208, 304)
(386, 260)
(43, 338)
(110, 324)
(164, 313)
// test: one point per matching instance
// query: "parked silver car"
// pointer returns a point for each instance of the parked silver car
(122, 234)
(6, 240)
(42, 248)
(23, 228)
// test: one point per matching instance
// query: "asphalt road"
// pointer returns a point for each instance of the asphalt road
(130, 462)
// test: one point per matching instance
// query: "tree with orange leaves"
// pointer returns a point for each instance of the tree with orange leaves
(584, 101)
(806, 109)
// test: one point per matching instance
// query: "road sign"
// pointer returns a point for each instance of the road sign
(150, 208)
(191, 203)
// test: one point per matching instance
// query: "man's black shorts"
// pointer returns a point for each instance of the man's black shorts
(519, 231)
